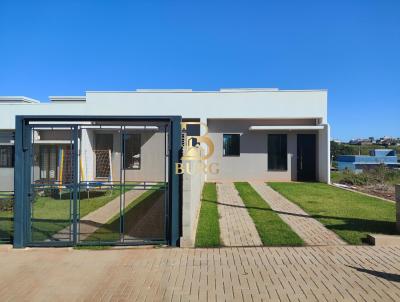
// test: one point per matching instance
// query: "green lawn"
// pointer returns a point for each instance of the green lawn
(272, 229)
(208, 232)
(110, 231)
(351, 215)
(52, 214)
(6, 216)
(6, 226)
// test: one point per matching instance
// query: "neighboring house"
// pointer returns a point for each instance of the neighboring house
(259, 134)
(377, 157)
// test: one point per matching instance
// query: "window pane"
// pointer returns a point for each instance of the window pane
(277, 152)
(231, 144)
(132, 151)
(104, 148)
(6, 156)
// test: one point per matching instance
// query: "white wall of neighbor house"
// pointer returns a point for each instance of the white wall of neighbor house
(152, 161)
(87, 154)
(6, 179)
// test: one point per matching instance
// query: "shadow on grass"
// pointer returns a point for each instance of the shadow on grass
(144, 220)
(387, 276)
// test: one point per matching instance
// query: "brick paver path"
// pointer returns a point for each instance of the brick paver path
(96, 219)
(237, 227)
(327, 273)
(309, 229)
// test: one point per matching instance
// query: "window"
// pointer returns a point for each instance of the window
(231, 145)
(104, 148)
(48, 162)
(277, 152)
(132, 151)
(6, 156)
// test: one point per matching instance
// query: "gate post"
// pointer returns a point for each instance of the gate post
(20, 179)
(174, 180)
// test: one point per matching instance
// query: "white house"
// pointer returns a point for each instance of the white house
(258, 134)
(254, 134)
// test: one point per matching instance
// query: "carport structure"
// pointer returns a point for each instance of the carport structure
(97, 180)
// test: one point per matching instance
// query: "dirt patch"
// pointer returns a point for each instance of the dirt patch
(379, 190)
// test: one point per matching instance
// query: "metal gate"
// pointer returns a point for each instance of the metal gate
(96, 181)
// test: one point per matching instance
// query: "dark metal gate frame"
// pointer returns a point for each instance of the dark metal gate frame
(22, 181)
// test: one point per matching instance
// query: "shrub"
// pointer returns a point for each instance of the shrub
(6, 204)
(379, 175)
(351, 178)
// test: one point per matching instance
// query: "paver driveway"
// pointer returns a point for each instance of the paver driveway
(94, 220)
(237, 227)
(339, 273)
(309, 229)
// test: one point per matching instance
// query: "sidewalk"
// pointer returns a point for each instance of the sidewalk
(338, 273)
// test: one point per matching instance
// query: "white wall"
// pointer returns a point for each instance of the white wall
(87, 156)
(324, 154)
(238, 104)
(191, 202)
(6, 179)
(252, 164)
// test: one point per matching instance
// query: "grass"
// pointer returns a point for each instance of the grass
(51, 214)
(208, 232)
(272, 229)
(110, 231)
(6, 226)
(350, 215)
(6, 216)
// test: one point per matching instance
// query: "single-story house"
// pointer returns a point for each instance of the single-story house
(255, 134)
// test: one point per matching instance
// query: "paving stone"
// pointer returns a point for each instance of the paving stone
(173, 274)
(237, 227)
(309, 229)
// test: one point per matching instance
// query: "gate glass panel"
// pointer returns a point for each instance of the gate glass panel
(97, 181)
(52, 174)
(122, 182)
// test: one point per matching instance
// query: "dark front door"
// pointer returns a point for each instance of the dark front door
(306, 157)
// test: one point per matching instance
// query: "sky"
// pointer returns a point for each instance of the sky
(349, 47)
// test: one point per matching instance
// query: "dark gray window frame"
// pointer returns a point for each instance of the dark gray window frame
(223, 145)
(11, 149)
(283, 158)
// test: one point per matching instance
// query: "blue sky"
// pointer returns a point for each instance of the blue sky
(351, 48)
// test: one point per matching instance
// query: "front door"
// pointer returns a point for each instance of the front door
(306, 157)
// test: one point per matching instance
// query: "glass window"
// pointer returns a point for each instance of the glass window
(231, 145)
(277, 152)
(132, 151)
(6, 156)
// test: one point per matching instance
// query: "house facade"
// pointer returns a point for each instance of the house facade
(258, 134)
(136, 151)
